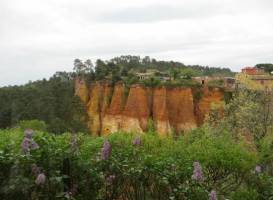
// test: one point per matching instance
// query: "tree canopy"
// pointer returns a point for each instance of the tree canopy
(267, 67)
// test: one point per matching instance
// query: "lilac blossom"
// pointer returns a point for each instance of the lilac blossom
(28, 142)
(213, 195)
(137, 141)
(258, 169)
(106, 150)
(197, 172)
(40, 180)
(25, 145)
(29, 133)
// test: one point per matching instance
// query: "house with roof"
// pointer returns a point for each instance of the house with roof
(254, 78)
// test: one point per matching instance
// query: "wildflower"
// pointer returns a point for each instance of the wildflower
(258, 169)
(29, 133)
(25, 146)
(197, 172)
(35, 169)
(110, 179)
(106, 150)
(137, 141)
(213, 195)
(40, 180)
(28, 142)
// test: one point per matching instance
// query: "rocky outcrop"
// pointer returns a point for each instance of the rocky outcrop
(210, 98)
(81, 90)
(172, 110)
(137, 109)
(112, 119)
(160, 111)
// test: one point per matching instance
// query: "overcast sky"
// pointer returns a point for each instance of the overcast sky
(40, 37)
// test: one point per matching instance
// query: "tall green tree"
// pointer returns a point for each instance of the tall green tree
(267, 67)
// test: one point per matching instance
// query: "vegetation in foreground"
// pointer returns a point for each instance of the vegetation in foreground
(201, 165)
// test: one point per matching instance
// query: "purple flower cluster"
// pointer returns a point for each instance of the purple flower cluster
(28, 143)
(213, 195)
(40, 176)
(197, 172)
(29, 133)
(40, 180)
(258, 169)
(106, 150)
(137, 141)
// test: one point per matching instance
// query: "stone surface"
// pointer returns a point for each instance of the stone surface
(172, 110)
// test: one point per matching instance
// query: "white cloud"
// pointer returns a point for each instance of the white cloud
(39, 37)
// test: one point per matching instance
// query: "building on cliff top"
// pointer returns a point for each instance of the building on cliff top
(153, 73)
(145, 75)
(254, 78)
(252, 71)
(225, 82)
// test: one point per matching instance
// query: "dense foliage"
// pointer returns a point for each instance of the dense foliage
(125, 68)
(249, 113)
(267, 67)
(52, 101)
(128, 166)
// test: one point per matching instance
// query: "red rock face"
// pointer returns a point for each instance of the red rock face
(172, 110)
(210, 97)
(137, 110)
(112, 120)
(180, 109)
(160, 112)
(81, 90)
(116, 101)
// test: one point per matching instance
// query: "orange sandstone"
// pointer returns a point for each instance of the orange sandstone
(114, 108)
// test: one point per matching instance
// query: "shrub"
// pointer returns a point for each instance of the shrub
(216, 83)
(137, 167)
(33, 124)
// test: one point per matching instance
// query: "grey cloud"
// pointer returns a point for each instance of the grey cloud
(155, 13)
(38, 38)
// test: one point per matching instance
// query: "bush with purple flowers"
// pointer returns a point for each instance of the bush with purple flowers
(127, 166)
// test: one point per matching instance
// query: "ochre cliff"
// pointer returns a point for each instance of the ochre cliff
(209, 98)
(172, 110)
